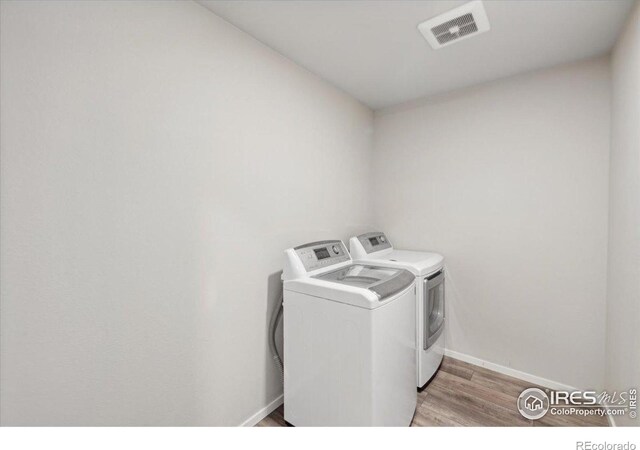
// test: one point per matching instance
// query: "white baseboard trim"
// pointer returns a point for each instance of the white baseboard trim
(612, 421)
(264, 412)
(534, 379)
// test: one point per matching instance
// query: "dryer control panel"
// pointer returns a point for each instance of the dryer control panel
(317, 255)
(374, 242)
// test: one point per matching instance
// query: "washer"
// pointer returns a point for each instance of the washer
(349, 340)
(428, 269)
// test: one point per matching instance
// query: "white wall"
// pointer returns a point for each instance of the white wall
(509, 181)
(156, 162)
(623, 290)
(149, 148)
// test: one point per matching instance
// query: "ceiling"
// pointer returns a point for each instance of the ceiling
(373, 50)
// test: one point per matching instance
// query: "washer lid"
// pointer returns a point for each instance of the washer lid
(383, 281)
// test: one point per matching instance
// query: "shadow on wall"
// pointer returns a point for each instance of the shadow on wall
(272, 369)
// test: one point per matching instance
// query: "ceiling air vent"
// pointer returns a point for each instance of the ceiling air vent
(456, 25)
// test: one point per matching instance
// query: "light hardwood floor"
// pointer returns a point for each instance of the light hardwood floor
(462, 394)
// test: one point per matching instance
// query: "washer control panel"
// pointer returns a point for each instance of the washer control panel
(374, 242)
(317, 255)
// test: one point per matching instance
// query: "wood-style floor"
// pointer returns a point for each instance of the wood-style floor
(462, 394)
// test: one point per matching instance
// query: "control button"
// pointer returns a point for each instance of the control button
(335, 249)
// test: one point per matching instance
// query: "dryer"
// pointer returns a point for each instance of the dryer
(428, 270)
(349, 340)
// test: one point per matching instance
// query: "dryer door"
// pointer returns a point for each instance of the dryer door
(433, 298)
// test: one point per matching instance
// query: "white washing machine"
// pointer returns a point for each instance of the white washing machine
(428, 269)
(349, 340)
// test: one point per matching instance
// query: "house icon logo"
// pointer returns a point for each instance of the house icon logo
(533, 403)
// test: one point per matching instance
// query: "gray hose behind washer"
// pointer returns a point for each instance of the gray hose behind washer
(276, 318)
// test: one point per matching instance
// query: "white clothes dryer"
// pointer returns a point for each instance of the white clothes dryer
(428, 270)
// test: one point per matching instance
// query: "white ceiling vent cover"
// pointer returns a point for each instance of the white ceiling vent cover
(456, 25)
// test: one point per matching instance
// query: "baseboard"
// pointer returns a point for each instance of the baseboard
(610, 418)
(509, 371)
(264, 412)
